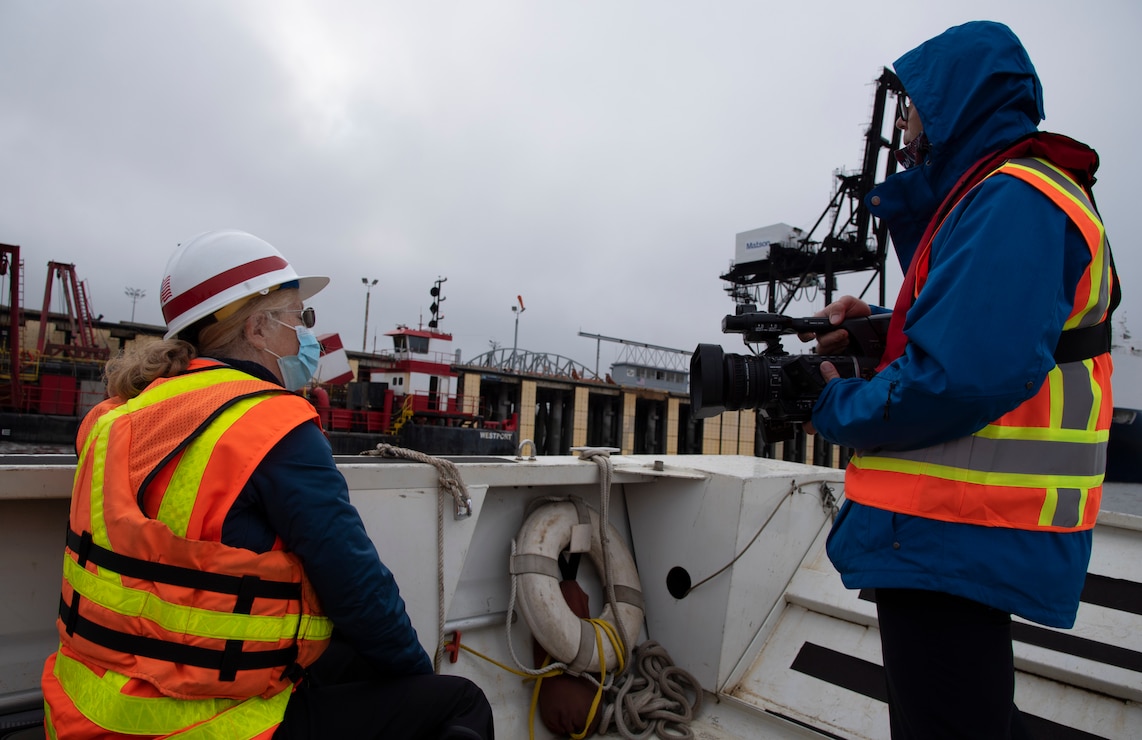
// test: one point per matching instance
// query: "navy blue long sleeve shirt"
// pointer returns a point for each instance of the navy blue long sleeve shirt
(298, 494)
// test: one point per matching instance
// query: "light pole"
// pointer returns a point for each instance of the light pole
(368, 292)
(134, 294)
(515, 342)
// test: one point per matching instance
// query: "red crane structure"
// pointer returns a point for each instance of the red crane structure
(81, 331)
(46, 379)
(10, 265)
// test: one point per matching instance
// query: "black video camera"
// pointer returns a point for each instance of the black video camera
(782, 387)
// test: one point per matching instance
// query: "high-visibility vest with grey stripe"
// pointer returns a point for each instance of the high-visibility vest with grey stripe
(1041, 465)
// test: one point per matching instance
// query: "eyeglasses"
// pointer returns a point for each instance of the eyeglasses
(903, 106)
(308, 315)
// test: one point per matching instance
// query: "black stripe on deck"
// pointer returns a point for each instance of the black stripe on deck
(1112, 593)
(1080, 647)
(854, 674)
(867, 678)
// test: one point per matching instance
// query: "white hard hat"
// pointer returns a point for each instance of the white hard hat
(218, 268)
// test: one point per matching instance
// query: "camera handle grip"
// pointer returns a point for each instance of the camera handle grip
(867, 335)
(814, 324)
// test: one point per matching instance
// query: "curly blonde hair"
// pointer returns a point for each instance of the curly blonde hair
(143, 362)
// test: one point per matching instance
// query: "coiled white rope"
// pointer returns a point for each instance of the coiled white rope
(651, 698)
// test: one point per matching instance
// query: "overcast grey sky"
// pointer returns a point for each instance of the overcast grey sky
(595, 157)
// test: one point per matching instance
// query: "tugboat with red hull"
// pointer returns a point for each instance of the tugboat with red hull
(410, 396)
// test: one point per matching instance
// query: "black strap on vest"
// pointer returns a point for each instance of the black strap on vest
(227, 661)
(1091, 341)
(233, 652)
(176, 575)
(200, 657)
(1082, 344)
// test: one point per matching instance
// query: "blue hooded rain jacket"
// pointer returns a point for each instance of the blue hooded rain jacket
(981, 335)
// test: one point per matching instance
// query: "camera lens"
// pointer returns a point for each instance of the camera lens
(724, 382)
(707, 381)
(745, 378)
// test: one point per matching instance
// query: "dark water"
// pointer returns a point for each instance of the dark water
(33, 448)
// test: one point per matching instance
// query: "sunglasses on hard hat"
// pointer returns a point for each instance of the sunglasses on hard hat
(903, 106)
(308, 315)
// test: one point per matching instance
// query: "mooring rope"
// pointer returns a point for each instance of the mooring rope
(602, 458)
(449, 483)
(547, 669)
(450, 480)
(651, 698)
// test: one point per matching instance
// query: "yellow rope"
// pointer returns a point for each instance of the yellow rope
(535, 699)
(509, 669)
(602, 627)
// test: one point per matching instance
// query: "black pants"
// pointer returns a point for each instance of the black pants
(948, 665)
(343, 698)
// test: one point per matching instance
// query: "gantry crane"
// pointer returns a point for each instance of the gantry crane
(11, 265)
(855, 240)
(81, 330)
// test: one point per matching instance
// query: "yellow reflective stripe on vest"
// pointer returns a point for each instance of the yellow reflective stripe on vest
(1050, 179)
(1056, 387)
(1044, 434)
(107, 590)
(1076, 398)
(1015, 456)
(98, 471)
(1070, 453)
(247, 720)
(1063, 507)
(182, 492)
(99, 434)
(101, 700)
(978, 477)
(51, 730)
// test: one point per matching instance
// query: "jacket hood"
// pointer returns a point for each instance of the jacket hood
(976, 91)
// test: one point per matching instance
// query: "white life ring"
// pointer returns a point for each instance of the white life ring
(566, 637)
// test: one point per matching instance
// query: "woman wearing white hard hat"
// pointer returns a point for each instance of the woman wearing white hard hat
(216, 576)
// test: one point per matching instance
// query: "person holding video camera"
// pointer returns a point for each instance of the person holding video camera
(981, 439)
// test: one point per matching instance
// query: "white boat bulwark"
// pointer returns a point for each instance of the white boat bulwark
(736, 584)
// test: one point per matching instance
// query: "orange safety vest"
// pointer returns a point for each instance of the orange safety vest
(1041, 465)
(164, 630)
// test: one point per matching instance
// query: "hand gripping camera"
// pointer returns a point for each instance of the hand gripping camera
(782, 387)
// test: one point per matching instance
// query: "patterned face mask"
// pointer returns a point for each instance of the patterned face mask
(913, 152)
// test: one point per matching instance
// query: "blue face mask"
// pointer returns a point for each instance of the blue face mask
(297, 370)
